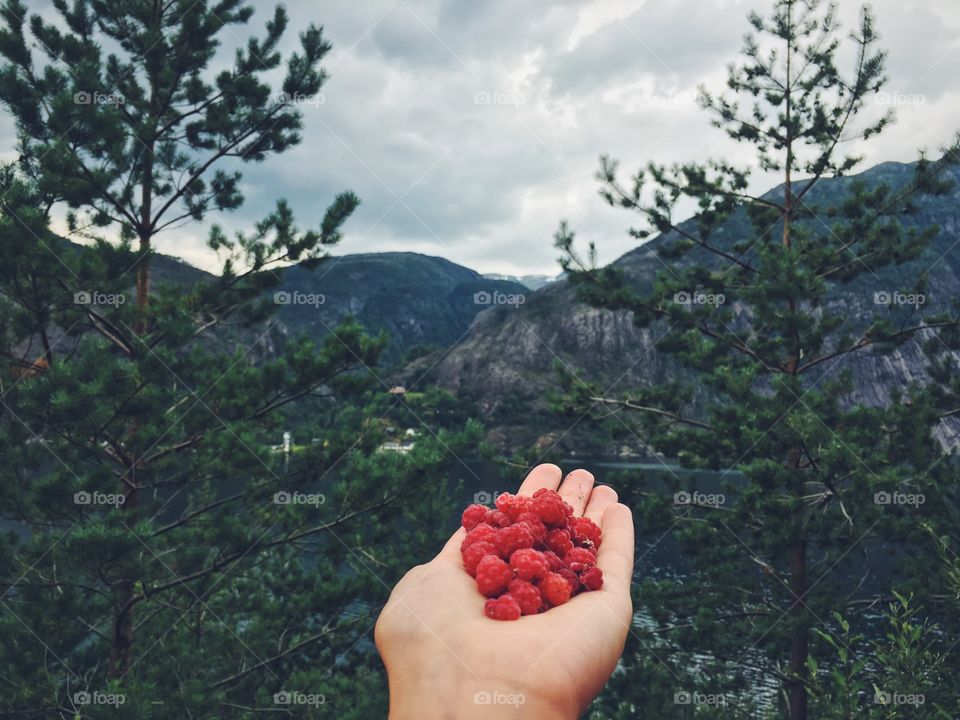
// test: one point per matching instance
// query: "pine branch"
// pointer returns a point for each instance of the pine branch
(656, 411)
(326, 632)
(259, 546)
(865, 341)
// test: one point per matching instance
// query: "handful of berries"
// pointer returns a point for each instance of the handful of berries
(530, 554)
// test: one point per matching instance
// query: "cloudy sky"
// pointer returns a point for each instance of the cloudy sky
(470, 129)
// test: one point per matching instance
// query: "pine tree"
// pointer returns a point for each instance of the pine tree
(763, 386)
(158, 555)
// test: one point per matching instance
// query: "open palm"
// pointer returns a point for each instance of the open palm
(439, 647)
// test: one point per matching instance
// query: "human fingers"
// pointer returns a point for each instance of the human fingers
(600, 499)
(575, 489)
(615, 556)
(542, 476)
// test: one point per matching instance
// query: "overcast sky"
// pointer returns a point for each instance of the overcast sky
(470, 128)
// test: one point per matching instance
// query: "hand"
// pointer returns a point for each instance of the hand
(446, 659)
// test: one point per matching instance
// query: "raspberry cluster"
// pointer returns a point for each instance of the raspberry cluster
(529, 554)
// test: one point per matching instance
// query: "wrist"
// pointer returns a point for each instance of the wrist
(473, 701)
(448, 691)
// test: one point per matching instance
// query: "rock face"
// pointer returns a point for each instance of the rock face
(505, 363)
(511, 353)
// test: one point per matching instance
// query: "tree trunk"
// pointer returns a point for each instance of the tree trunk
(799, 642)
(121, 645)
(143, 286)
(121, 640)
(145, 233)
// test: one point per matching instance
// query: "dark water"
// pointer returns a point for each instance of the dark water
(656, 552)
(482, 480)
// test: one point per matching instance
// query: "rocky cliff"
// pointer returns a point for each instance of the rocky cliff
(505, 361)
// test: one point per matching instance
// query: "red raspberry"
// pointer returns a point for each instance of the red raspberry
(579, 559)
(473, 554)
(553, 560)
(529, 554)
(573, 580)
(481, 533)
(533, 521)
(580, 555)
(527, 596)
(504, 607)
(493, 574)
(555, 589)
(497, 518)
(559, 541)
(586, 533)
(592, 579)
(513, 538)
(473, 516)
(512, 505)
(529, 564)
(550, 507)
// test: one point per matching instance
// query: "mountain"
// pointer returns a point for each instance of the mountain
(505, 363)
(417, 299)
(420, 301)
(495, 342)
